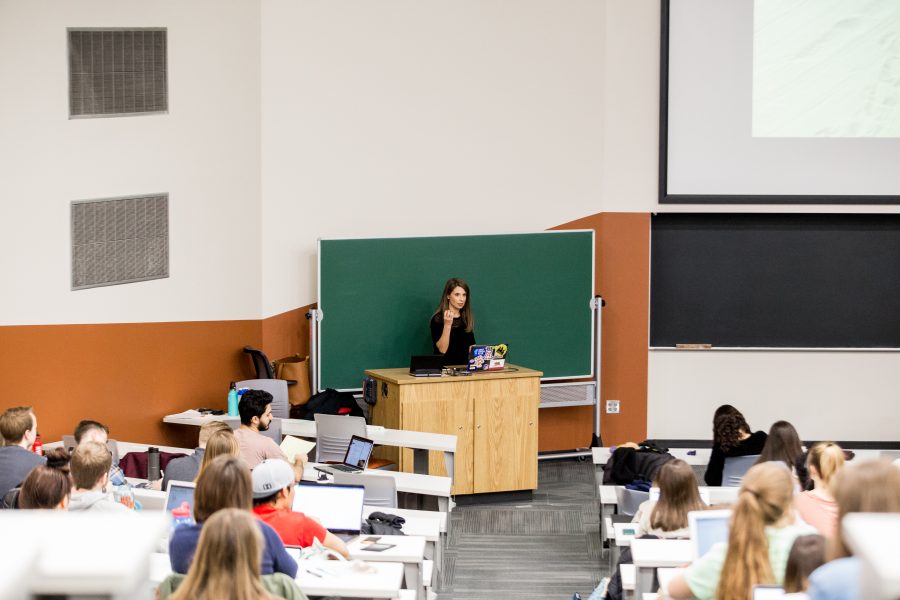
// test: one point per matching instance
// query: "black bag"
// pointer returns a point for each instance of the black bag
(380, 523)
(328, 402)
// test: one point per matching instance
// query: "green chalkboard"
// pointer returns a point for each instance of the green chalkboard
(531, 291)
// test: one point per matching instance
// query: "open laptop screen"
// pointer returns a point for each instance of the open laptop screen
(178, 493)
(708, 527)
(338, 507)
(358, 452)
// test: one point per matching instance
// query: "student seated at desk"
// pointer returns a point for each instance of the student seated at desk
(187, 468)
(731, 437)
(95, 431)
(18, 430)
(220, 443)
(807, 554)
(227, 565)
(89, 468)
(45, 488)
(294, 528)
(872, 486)
(226, 483)
(759, 540)
(255, 408)
(818, 506)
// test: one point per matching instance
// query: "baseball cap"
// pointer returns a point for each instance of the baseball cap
(271, 475)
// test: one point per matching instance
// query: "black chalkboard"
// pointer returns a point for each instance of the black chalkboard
(775, 280)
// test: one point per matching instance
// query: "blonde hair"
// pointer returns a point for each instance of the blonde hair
(678, 495)
(872, 486)
(765, 496)
(209, 428)
(90, 461)
(227, 561)
(827, 458)
(220, 443)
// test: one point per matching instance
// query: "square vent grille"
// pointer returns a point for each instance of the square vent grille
(120, 240)
(114, 72)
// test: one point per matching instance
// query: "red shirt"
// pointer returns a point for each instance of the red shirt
(294, 528)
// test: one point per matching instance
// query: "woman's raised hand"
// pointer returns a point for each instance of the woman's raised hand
(448, 317)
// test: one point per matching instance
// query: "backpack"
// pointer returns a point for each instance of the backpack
(328, 402)
(627, 464)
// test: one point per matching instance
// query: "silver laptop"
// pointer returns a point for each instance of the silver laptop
(356, 459)
(338, 507)
(708, 527)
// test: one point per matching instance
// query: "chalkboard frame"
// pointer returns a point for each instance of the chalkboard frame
(584, 240)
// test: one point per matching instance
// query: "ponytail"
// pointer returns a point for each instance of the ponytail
(766, 493)
(827, 458)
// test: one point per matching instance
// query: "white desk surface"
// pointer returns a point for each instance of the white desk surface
(418, 440)
(660, 553)
(608, 494)
(346, 580)
(695, 457)
(626, 532)
(407, 549)
(83, 553)
(628, 574)
(425, 523)
(18, 560)
(413, 483)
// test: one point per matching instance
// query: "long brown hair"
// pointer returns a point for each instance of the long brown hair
(807, 555)
(678, 495)
(872, 486)
(765, 496)
(45, 487)
(220, 443)
(782, 444)
(225, 483)
(827, 458)
(227, 562)
(465, 314)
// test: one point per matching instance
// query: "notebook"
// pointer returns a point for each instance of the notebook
(707, 527)
(178, 493)
(429, 365)
(338, 507)
(488, 358)
(357, 457)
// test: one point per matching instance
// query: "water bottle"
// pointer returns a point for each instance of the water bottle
(153, 463)
(232, 401)
(38, 447)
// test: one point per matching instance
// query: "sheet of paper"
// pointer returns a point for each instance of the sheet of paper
(292, 446)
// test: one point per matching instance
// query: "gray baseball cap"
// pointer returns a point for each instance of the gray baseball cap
(271, 475)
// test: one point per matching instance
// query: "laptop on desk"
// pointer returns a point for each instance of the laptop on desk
(338, 507)
(356, 459)
(707, 527)
(430, 365)
(178, 493)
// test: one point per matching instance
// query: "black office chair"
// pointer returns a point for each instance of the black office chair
(264, 368)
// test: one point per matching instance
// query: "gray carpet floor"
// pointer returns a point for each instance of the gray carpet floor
(546, 548)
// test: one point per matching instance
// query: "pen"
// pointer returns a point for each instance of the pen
(311, 572)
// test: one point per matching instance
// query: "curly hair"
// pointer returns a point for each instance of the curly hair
(728, 428)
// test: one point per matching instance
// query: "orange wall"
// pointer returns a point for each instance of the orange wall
(130, 375)
(623, 280)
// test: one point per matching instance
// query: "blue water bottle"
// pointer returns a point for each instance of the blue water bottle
(232, 401)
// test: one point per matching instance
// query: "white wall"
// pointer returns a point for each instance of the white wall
(838, 395)
(402, 117)
(205, 153)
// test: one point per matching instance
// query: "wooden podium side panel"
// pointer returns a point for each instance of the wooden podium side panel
(441, 408)
(386, 413)
(506, 425)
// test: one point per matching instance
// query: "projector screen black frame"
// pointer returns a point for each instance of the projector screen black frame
(666, 198)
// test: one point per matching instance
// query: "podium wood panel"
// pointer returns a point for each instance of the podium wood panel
(493, 415)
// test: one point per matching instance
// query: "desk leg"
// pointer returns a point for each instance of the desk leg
(606, 512)
(643, 581)
(413, 575)
(420, 461)
(448, 463)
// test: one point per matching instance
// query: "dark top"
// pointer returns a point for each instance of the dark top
(15, 464)
(275, 558)
(183, 469)
(752, 445)
(458, 351)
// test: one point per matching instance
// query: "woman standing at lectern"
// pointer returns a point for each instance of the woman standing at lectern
(453, 324)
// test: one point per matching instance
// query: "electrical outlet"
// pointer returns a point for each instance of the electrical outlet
(612, 407)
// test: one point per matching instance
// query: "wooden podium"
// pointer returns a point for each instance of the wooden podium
(493, 414)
